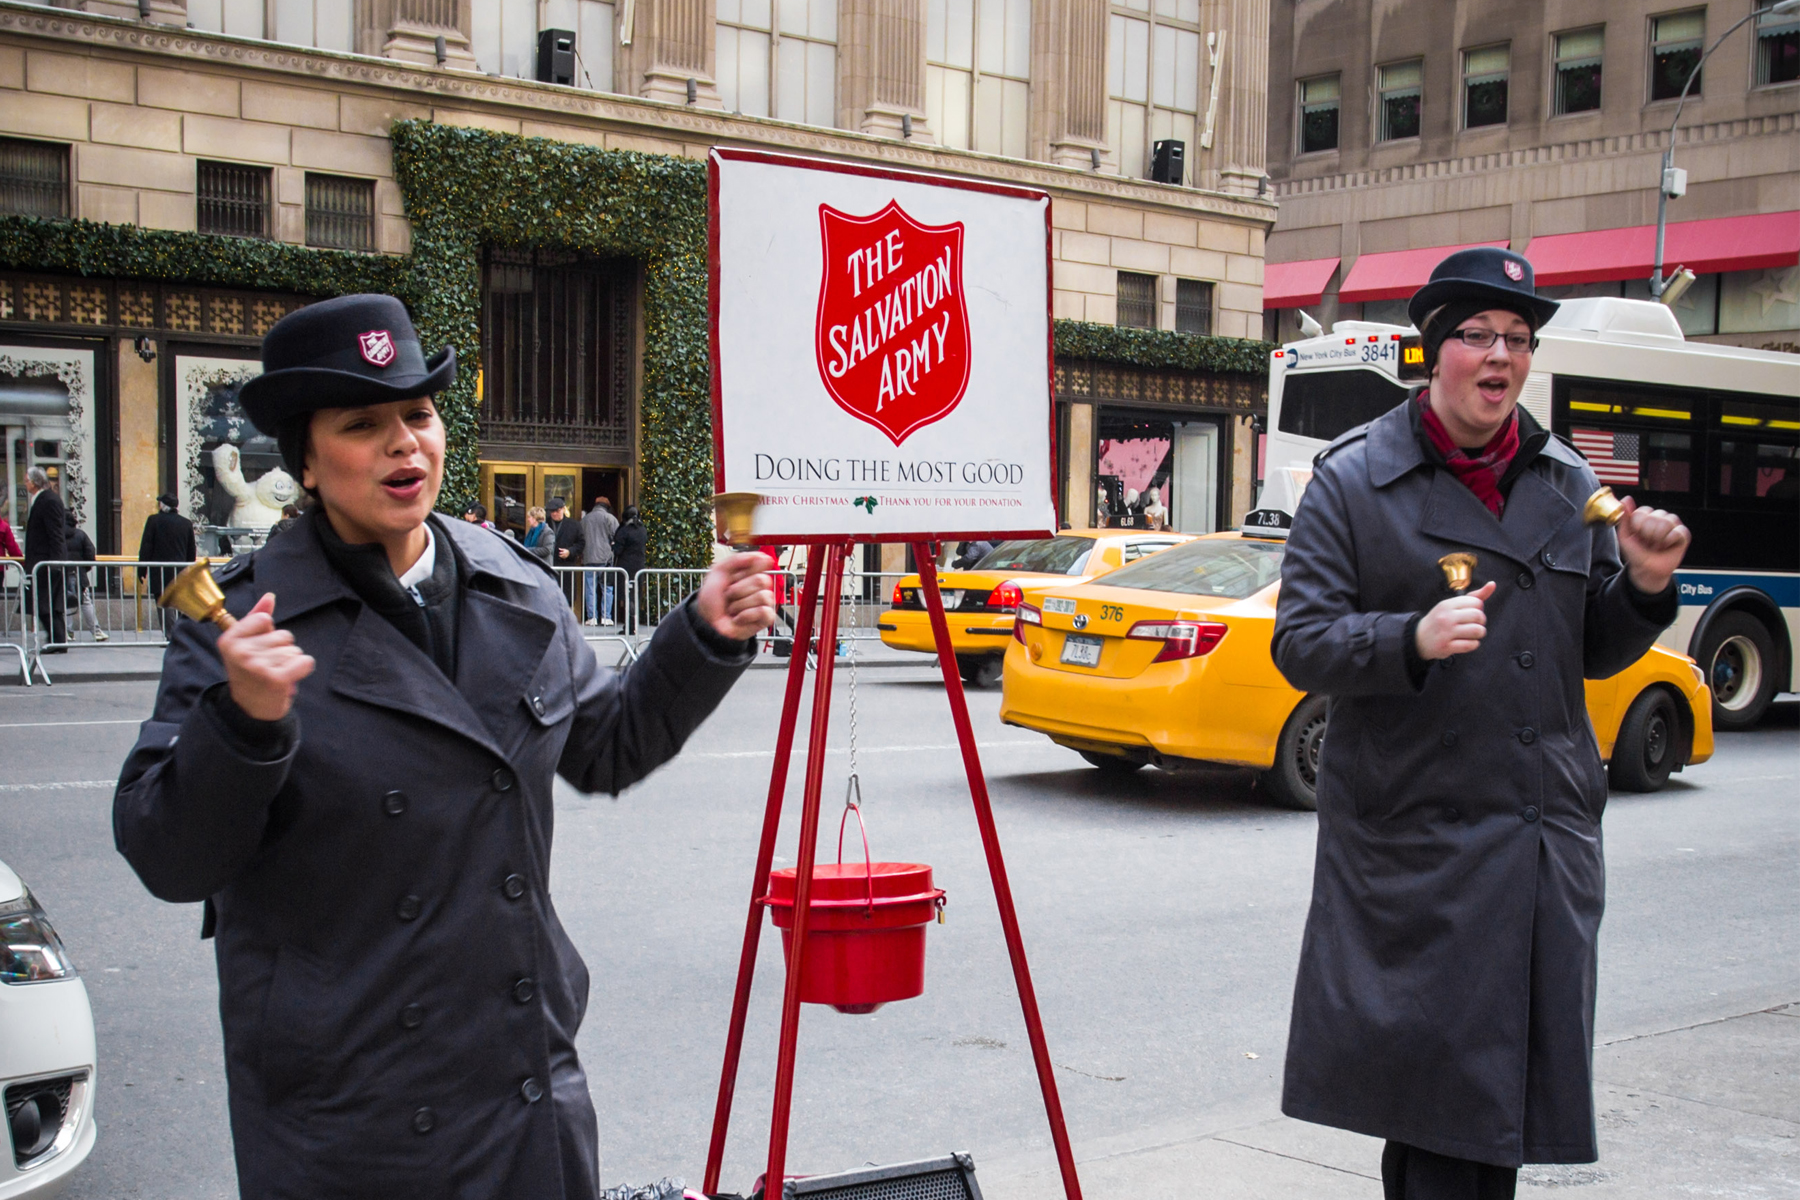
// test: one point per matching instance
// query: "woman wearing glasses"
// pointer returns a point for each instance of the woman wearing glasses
(1445, 998)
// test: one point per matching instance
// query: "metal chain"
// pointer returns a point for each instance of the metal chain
(852, 646)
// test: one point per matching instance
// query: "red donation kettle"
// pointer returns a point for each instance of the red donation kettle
(865, 937)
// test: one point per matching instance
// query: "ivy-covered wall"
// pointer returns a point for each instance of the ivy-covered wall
(467, 187)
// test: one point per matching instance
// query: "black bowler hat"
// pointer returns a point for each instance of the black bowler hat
(342, 353)
(1478, 274)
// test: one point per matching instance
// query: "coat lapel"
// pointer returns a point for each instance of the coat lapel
(378, 666)
(1453, 514)
(1535, 511)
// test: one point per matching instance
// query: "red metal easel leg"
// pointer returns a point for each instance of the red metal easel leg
(831, 598)
(990, 842)
(759, 887)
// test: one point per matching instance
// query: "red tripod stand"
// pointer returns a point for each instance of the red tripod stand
(833, 572)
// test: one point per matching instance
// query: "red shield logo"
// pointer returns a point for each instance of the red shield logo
(377, 347)
(1514, 271)
(893, 333)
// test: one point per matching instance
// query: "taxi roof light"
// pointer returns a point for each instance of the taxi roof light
(1180, 639)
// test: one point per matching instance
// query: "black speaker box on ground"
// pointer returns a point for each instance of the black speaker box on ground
(948, 1178)
(1167, 165)
(556, 57)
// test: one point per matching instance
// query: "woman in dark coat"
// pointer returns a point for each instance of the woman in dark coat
(1445, 996)
(362, 792)
(628, 542)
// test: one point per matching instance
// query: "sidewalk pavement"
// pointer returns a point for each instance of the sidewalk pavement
(1707, 1110)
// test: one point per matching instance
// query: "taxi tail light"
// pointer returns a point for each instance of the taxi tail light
(898, 599)
(1180, 639)
(1006, 597)
(1028, 614)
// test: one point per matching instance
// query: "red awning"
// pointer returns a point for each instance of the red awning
(1291, 285)
(1703, 247)
(1396, 274)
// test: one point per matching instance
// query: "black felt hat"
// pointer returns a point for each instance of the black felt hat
(1483, 273)
(342, 353)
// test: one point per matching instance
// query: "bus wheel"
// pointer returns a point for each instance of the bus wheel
(1649, 743)
(1738, 657)
(1295, 776)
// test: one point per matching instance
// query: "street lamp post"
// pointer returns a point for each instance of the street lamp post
(1672, 184)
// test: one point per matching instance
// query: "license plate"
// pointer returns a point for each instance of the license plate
(1079, 651)
(952, 600)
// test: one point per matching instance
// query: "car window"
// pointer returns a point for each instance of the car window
(1045, 556)
(1137, 550)
(1220, 567)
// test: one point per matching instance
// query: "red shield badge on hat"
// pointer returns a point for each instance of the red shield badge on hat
(377, 347)
(893, 331)
(1513, 270)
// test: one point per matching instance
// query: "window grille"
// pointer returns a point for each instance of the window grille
(1193, 306)
(1578, 70)
(1137, 301)
(1319, 102)
(1675, 44)
(340, 212)
(1484, 86)
(1400, 87)
(34, 178)
(1777, 45)
(232, 199)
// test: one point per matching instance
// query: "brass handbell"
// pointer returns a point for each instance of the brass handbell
(1603, 508)
(1459, 570)
(733, 515)
(195, 593)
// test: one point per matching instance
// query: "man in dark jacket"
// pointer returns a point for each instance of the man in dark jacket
(46, 534)
(168, 537)
(1445, 996)
(362, 792)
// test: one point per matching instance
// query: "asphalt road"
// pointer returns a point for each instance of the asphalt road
(1162, 916)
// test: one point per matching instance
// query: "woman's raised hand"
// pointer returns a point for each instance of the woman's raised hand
(263, 666)
(736, 598)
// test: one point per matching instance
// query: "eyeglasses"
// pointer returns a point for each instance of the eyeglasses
(1482, 339)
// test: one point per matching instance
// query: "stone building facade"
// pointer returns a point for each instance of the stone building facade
(193, 117)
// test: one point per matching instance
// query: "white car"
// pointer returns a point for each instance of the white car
(46, 1051)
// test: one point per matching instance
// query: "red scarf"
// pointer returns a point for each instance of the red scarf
(1482, 473)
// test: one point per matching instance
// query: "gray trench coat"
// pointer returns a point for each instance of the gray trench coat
(399, 999)
(1445, 995)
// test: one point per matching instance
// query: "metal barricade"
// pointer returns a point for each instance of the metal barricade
(108, 604)
(15, 630)
(867, 594)
(655, 593)
(601, 598)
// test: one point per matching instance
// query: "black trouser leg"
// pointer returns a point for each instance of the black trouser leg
(1409, 1173)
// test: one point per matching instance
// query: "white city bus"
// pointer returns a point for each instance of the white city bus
(1709, 432)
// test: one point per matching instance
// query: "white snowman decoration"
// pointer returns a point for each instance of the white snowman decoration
(258, 504)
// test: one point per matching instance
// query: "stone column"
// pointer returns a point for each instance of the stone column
(1237, 159)
(1068, 76)
(409, 29)
(881, 68)
(665, 43)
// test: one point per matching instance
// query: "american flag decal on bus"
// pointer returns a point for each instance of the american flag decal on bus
(1614, 456)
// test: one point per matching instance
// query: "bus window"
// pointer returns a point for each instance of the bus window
(1757, 472)
(1324, 404)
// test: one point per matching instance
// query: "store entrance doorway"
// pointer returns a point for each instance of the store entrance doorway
(509, 489)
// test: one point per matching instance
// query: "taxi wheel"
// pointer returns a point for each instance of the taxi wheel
(980, 670)
(1738, 657)
(1294, 779)
(1649, 743)
(1112, 764)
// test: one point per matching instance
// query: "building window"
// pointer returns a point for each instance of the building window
(746, 30)
(1137, 301)
(806, 61)
(1578, 70)
(1484, 86)
(978, 74)
(1777, 45)
(34, 178)
(340, 212)
(503, 37)
(1400, 87)
(326, 24)
(240, 18)
(1153, 78)
(1193, 306)
(1675, 45)
(232, 199)
(1319, 99)
(592, 23)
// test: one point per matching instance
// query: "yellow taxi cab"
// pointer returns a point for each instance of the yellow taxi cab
(981, 600)
(1168, 661)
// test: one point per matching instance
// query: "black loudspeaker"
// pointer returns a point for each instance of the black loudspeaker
(1167, 166)
(949, 1178)
(556, 57)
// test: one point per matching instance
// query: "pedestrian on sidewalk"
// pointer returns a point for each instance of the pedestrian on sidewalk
(9, 545)
(540, 539)
(357, 779)
(597, 529)
(46, 541)
(80, 582)
(1445, 994)
(168, 538)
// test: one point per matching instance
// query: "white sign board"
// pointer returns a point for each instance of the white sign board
(881, 350)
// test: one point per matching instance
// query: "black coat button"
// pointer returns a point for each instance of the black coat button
(537, 705)
(1527, 659)
(1452, 815)
(412, 1016)
(503, 779)
(1549, 559)
(524, 990)
(394, 803)
(1449, 738)
(531, 1091)
(1528, 735)
(424, 1121)
(1530, 814)
(513, 887)
(1525, 581)
(408, 908)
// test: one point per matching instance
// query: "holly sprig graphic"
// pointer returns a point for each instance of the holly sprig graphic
(867, 503)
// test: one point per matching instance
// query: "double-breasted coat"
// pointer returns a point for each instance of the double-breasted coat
(399, 999)
(1445, 994)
